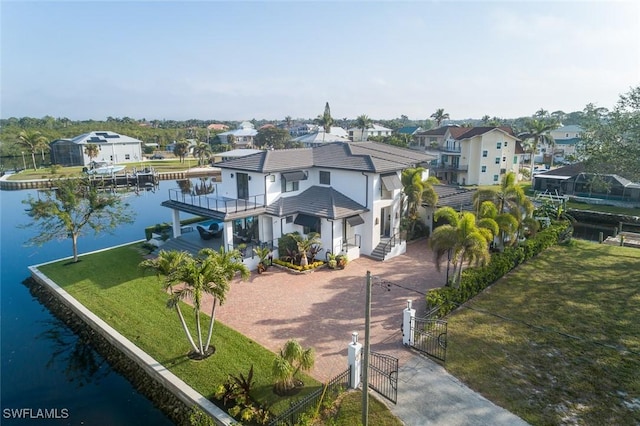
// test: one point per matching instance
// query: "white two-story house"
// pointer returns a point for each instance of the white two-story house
(349, 193)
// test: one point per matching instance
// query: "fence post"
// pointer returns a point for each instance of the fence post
(354, 354)
(407, 324)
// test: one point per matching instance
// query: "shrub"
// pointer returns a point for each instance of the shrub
(475, 280)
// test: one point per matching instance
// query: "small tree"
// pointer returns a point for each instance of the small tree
(91, 150)
(292, 358)
(181, 150)
(68, 209)
(305, 244)
(33, 141)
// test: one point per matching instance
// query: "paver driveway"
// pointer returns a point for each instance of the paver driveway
(323, 308)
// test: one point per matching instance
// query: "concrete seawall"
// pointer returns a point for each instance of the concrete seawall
(166, 390)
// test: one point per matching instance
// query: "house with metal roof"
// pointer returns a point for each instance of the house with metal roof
(349, 193)
(112, 148)
(319, 136)
(357, 134)
(242, 136)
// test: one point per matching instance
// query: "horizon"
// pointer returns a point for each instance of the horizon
(237, 61)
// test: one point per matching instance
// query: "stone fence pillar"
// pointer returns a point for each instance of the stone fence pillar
(354, 355)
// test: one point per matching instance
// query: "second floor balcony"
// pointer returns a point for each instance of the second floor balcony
(223, 207)
(450, 167)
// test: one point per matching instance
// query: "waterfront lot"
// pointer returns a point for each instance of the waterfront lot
(557, 341)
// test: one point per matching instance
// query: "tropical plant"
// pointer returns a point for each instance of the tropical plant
(91, 150)
(263, 254)
(181, 149)
(462, 238)
(291, 359)
(208, 273)
(363, 122)
(325, 120)
(416, 192)
(33, 141)
(72, 206)
(304, 244)
(202, 151)
(439, 116)
(537, 131)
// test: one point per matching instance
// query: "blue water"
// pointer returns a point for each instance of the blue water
(43, 364)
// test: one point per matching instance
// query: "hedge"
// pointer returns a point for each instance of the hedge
(475, 280)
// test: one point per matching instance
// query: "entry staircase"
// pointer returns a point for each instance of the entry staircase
(383, 248)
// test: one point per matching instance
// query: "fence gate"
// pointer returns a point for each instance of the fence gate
(430, 337)
(383, 375)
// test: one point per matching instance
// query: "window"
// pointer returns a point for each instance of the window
(288, 186)
(504, 158)
(485, 153)
(325, 178)
(495, 178)
(497, 160)
(127, 157)
(515, 159)
(499, 145)
(505, 144)
(289, 219)
(484, 169)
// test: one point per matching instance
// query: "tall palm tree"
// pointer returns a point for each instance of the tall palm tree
(208, 273)
(417, 191)
(181, 150)
(363, 122)
(440, 116)
(202, 151)
(537, 131)
(33, 141)
(463, 238)
(325, 120)
(91, 150)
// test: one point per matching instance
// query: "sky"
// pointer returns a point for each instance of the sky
(215, 60)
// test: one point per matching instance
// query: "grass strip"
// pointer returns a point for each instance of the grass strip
(557, 340)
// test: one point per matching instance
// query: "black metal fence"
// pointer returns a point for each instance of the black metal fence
(312, 401)
(383, 375)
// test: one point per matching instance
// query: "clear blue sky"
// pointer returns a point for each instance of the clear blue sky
(243, 60)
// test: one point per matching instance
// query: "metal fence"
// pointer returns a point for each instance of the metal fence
(312, 401)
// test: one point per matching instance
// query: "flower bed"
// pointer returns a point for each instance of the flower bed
(297, 269)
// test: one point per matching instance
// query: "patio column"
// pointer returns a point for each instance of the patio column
(407, 323)
(354, 355)
(176, 223)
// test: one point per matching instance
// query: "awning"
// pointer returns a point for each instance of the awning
(306, 220)
(355, 220)
(391, 181)
(294, 176)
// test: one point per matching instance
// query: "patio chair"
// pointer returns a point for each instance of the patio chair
(216, 229)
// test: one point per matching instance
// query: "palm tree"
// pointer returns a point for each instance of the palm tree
(208, 273)
(537, 130)
(202, 151)
(440, 116)
(461, 238)
(33, 141)
(305, 244)
(325, 120)
(417, 191)
(541, 113)
(181, 150)
(91, 150)
(363, 122)
(292, 358)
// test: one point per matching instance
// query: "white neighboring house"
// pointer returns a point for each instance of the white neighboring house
(244, 135)
(356, 134)
(566, 140)
(347, 192)
(113, 148)
(319, 136)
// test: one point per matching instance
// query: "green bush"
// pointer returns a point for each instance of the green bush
(474, 280)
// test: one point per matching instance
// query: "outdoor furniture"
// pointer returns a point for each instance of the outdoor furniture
(216, 228)
(206, 234)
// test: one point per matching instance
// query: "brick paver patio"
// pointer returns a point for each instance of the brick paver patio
(323, 308)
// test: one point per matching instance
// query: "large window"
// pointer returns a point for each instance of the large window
(325, 178)
(290, 186)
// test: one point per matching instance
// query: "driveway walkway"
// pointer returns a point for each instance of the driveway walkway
(323, 308)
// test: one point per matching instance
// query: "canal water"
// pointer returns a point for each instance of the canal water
(43, 364)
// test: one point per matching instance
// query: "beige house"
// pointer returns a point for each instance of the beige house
(477, 155)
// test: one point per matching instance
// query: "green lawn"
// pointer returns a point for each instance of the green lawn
(111, 285)
(348, 412)
(569, 352)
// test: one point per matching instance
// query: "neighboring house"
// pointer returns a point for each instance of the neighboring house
(456, 197)
(567, 139)
(431, 138)
(113, 148)
(476, 155)
(319, 137)
(573, 180)
(356, 134)
(347, 192)
(244, 135)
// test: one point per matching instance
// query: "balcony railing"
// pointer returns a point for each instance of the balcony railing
(450, 148)
(219, 204)
(451, 167)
